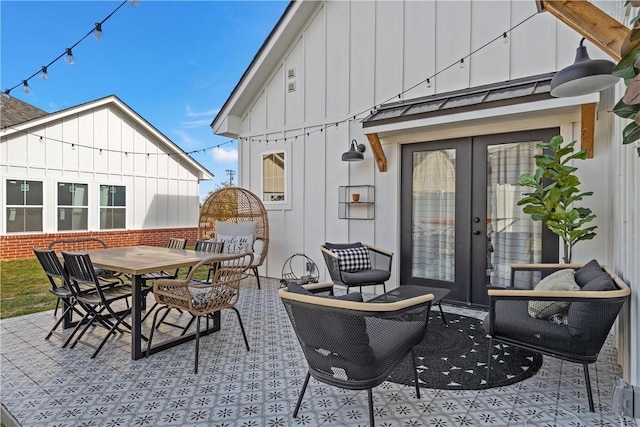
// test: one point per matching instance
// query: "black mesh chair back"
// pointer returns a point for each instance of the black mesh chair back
(355, 345)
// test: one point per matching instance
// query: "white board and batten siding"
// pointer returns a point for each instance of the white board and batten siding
(105, 143)
(349, 57)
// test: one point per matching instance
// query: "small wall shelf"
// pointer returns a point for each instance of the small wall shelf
(356, 202)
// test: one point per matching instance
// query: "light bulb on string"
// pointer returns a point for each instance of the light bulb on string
(44, 75)
(69, 59)
(6, 93)
(134, 3)
(461, 62)
(97, 32)
(429, 83)
(505, 38)
(25, 87)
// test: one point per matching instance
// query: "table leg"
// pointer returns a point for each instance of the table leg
(136, 322)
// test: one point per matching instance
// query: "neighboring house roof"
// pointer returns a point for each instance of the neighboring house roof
(14, 111)
(113, 101)
(274, 47)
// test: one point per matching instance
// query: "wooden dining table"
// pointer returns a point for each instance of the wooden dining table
(139, 260)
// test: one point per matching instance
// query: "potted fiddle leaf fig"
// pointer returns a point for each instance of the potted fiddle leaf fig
(554, 194)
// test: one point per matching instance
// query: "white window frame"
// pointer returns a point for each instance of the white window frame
(286, 202)
(7, 206)
(125, 207)
(59, 206)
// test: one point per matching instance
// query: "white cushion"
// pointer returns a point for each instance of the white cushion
(561, 280)
(235, 229)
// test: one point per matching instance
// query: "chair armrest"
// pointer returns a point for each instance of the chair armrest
(526, 294)
(329, 253)
(538, 267)
(319, 287)
(378, 250)
(357, 306)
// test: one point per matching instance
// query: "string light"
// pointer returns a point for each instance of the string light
(428, 81)
(96, 30)
(69, 59)
(505, 38)
(25, 87)
(44, 75)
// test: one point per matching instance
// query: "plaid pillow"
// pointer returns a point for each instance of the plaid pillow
(353, 259)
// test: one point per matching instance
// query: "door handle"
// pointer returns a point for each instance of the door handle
(476, 232)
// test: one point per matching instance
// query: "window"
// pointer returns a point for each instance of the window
(73, 206)
(24, 206)
(112, 207)
(273, 177)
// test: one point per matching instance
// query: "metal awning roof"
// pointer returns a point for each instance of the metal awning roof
(511, 92)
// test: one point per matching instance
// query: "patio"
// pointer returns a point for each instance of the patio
(43, 384)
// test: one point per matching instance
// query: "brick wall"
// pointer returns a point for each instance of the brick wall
(20, 246)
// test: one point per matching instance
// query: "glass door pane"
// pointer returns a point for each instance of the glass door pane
(512, 236)
(433, 214)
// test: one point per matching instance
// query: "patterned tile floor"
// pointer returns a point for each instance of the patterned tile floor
(45, 385)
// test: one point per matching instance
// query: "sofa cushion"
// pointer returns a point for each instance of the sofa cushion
(561, 280)
(589, 271)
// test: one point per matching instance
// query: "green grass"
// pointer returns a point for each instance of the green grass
(24, 288)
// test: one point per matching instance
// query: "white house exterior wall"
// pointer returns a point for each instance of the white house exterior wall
(352, 56)
(161, 192)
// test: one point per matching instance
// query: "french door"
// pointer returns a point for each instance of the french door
(461, 227)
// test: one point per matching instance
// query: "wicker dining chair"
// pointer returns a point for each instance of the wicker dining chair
(202, 299)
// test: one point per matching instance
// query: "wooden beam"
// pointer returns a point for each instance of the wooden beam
(589, 21)
(587, 131)
(378, 153)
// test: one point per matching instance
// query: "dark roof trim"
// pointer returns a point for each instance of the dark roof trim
(527, 89)
(254, 60)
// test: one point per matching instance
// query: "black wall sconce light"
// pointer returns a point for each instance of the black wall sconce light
(584, 76)
(355, 152)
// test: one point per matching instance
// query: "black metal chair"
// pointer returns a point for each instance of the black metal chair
(98, 302)
(357, 264)
(352, 344)
(106, 277)
(580, 331)
(202, 299)
(60, 286)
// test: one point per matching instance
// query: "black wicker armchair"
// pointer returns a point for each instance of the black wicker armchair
(357, 264)
(352, 344)
(577, 333)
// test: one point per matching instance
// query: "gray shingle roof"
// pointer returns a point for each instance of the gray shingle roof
(15, 111)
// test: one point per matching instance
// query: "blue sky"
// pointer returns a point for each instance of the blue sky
(173, 62)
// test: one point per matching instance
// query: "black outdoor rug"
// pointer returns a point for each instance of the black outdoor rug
(455, 358)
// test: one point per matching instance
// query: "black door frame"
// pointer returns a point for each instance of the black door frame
(471, 181)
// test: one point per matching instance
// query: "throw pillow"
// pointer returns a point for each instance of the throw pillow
(588, 272)
(353, 259)
(236, 244)
(199, 296)
(236, 228)
(561, 280)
